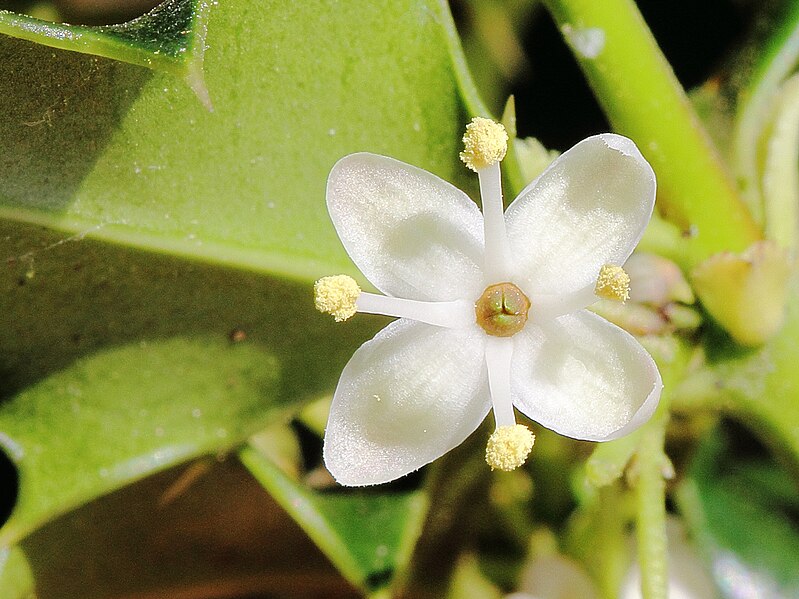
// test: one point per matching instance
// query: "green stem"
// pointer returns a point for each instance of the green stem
(638, 91)
(651, 514)
(650, 470)
(665, 239)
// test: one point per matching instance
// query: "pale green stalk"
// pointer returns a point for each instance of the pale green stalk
(780, 177)
(776, 59)
(651, 514)
(650, 470)
(664, 238)
(637, 89)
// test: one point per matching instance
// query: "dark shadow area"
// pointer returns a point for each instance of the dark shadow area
(102, 12)
(59, 111)
(83, 12)
(9, 487)
(553, 100)
(732, 457)
(696, 37)
(203, 529)
(742, 445)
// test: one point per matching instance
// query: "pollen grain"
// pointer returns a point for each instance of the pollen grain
(336, 295)
(509, 446)
(613, 283)
(485, 143)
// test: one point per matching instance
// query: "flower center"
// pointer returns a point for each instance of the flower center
(502, 310)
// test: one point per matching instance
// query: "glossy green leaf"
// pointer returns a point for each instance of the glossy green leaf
(171, 37)
(123, 362)
(742, 509)
(123, 154)
(67, 297)
(126, 412)
(106, 151)
(368, 536)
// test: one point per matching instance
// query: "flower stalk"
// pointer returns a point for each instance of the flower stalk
(651, 512)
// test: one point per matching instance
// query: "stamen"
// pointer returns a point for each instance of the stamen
(485, 143)
(613, 283)
(454, 315)
(509, 446)
(336, 295)
(497, 249)
(499, 351)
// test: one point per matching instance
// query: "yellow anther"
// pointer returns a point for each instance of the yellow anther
(613, 283)
(509, 446)
(485, 143)
(336, 295)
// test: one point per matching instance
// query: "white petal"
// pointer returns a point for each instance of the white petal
(584, 377)
(588, 209)
(405, 398)
(411, 233)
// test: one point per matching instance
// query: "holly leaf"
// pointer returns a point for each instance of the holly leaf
(368, 536)
(156, 251)
(128, 155)
(170, 38)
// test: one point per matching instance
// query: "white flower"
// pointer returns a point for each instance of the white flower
(459, 282)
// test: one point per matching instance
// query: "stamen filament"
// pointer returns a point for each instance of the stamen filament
(454, 315)
(497, 248)
(499, 351)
